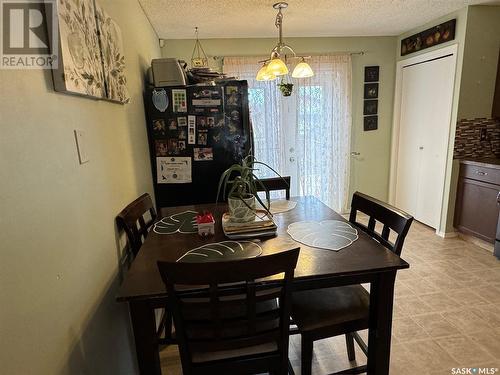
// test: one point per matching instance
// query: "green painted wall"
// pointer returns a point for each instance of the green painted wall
(479, 71)
(60, 250)
(370, 171)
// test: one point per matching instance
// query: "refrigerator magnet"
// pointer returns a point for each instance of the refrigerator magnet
(173, 170)
(160, 99)
(179, 100)
(191, 130)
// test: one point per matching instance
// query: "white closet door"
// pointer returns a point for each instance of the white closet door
(426, 100)
(434, 138)
(408, 167)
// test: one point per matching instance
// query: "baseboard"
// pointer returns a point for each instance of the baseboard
(477, 241)
(451, 234)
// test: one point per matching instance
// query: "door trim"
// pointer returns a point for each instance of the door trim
(396, 118)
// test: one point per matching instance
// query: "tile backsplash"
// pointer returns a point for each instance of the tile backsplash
(468, 142)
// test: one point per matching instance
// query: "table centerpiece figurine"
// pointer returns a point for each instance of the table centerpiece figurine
(206, 224)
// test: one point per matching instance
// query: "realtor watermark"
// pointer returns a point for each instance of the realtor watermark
(29, 34)
(474, 370)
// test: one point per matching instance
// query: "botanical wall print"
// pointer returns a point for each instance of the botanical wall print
(80, 66)
(113, 61)
(91, 60)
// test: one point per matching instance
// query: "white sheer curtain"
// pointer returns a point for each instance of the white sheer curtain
(265, 112)
(323, 135)
(315, 121)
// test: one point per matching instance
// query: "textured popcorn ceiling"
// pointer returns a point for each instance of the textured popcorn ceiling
(176, 19)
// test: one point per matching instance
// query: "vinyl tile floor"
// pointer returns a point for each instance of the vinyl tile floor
(446, 314)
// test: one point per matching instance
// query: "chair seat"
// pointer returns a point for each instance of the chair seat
(325, 311)
(199, 357)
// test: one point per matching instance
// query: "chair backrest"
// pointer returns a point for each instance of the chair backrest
(391, 218)
(276, 183)
(228, 307)
(133, 222)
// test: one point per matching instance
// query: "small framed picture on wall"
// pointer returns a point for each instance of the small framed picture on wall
(370, 123)
(371, 73)
(371, 90)
(370, 107)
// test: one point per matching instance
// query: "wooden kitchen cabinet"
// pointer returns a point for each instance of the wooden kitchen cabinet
(477, 211)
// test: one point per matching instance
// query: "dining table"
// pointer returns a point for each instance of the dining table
(365, 261)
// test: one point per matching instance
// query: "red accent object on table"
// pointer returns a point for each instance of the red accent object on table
(206, 217)
(206, 224)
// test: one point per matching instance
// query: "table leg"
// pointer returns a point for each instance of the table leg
(379, 335)
(146, 343)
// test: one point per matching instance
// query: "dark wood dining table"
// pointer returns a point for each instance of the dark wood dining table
(365, 261)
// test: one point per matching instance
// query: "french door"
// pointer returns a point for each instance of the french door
(306, 135)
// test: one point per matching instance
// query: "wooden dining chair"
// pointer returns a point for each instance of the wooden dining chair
(131, 219)
(226, 320)
(329, 312)
(275, 184)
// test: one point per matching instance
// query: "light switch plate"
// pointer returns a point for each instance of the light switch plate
(81, 146)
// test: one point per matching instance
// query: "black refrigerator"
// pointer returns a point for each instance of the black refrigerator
(195, 133)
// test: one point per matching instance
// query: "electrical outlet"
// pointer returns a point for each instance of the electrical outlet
(81, 146)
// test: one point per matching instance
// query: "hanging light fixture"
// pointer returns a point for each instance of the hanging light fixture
(275, 66)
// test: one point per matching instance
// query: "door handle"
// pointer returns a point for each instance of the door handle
(421, 148)
(354, 153)
(292, 159)
(481, 173)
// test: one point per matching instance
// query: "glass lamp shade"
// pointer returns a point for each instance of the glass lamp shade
(302, 70)
(264, 74)
(277, 67)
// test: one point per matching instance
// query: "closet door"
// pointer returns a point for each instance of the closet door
(435, 124)
(409, 155)
(426, 100)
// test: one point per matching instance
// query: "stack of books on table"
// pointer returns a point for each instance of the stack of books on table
(262, 226)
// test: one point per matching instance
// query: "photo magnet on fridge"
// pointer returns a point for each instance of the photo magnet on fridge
(173, 147)
(203, 154)
(179, 100)
(172, 124)
(159, 128)
(191, 130)
(202, 137)
(161, 148)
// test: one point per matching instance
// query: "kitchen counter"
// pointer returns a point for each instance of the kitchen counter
(482, 162)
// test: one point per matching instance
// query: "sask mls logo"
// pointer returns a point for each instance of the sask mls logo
(29, 30)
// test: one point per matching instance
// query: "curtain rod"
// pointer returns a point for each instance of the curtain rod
(361, 53)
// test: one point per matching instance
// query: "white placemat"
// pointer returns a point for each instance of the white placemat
(220, 251)
(328, 234)
(183, 222)
(279, 205)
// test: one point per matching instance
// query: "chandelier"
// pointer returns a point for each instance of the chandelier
(275, 66)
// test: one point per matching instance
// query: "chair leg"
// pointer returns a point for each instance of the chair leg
(306, 355)
(349, 341)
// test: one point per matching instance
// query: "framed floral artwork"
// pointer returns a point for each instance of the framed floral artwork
(91, 61)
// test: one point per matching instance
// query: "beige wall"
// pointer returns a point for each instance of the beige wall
(479, 72)
(446, 225)
(59, 251)
(370, 171)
